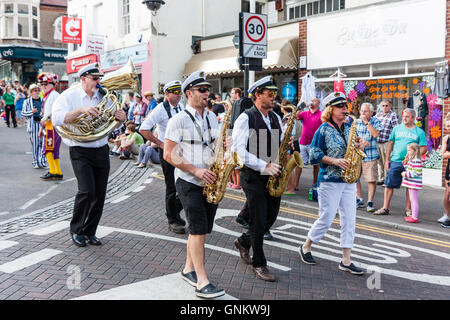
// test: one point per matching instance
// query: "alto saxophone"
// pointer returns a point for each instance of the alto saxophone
(276, 185)
(353, 155)
(224, 163)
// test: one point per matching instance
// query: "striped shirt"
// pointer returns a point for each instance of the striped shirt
(388, 122)
(413, 174)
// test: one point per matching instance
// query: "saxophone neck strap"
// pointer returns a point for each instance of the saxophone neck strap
(341, 130)
(199, 130)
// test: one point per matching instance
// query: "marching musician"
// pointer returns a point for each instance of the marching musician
(257, 136)
(159, 117)
(90, 160)
(189, 147)
(328, 149)
(52, 140)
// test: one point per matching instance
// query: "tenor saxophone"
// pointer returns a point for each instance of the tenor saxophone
(353, 155)
(277, 184)
(224, 162)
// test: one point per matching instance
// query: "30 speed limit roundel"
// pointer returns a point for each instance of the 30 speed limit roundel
(255, 29)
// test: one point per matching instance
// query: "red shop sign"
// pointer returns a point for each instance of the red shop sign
(71, 30)
(73, 65)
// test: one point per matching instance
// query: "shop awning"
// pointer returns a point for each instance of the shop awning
(281, 55)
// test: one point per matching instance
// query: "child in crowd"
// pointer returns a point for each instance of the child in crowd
(412, 179)
(445, 151)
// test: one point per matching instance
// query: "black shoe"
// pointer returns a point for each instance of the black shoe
(57, 177)
(15, 126)
(190, 277)
(48, 176)
(79, 240)
(351, 268)
(446, 224)
(181, 221)
(380, 183)
(242, 222)
(93, 240)
(177, 228)
(209, 291)
(268, 236)
(306, 257)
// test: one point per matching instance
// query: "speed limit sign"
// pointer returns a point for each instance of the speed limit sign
(254, 27)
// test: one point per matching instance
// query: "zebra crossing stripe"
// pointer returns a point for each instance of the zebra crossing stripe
(28, 260)
(7, 244)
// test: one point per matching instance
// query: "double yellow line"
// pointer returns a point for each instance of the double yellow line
(435, 242)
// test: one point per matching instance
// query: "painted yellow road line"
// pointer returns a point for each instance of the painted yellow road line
(336, 221)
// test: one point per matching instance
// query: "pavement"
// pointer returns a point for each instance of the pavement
(140, 259)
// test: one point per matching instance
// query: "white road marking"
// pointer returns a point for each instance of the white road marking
(168, 287)
(28, 260)
(40, 196)
(50, 229)
(138, 189)
(7, 244)
(148, 180)
(120, 199)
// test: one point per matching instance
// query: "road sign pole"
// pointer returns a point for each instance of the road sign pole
(246, 76)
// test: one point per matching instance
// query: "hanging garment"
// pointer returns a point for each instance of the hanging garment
(308, 88)
(418, 102)
(339, 86)
(441, 83)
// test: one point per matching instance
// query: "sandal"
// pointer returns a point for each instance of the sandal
(381, 212)
(408, 213)
(289, 193)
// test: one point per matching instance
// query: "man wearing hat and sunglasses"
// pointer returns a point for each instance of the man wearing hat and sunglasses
(257, 136)
(90, 160)
(189, 146)
(328, 149)
(159, 117)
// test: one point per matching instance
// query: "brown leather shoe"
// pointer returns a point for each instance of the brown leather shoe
(264, 274)
(245, 256)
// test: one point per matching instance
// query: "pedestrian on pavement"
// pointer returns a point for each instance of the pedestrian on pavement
(130, 142)
(160, 117)
(328, 148)
(400, 137)
(90, 160)
(151, 101)
(131, 105)
(139, 110)
(52, 140)
(445, 151)
(259, 165)
(31, 111)
(368, 128)
(412, 179)
(388, 120)
(147, 151)
(20, 98)
(189, 146)
(10, 111)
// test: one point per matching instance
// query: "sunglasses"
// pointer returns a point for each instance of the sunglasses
(341, 105)
(201, 89)
(177, 92)
(94, 78)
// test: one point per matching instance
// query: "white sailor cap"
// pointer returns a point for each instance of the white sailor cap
(264, 83)
(91, 69)
(172, 85)
(334, 98)
(196, 78)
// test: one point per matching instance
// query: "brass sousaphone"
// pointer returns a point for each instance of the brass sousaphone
(85, 128)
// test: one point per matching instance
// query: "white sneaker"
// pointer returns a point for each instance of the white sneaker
(443, 219)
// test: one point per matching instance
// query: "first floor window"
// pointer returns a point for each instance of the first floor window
(23, 27)
(9, 26)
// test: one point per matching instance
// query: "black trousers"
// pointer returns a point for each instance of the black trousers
(263, 212)
(91, 167)
(245, 213)
(10, 110)
(173, 203)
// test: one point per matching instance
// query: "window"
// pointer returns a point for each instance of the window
(20, 20)
(35, 11)
(9, 8)
(23, 27)
(126, 16)
(322, 6)
(23, 8)
(9, 26)
(303, 10)
(35, 29)
(314, 7)
(329, 5)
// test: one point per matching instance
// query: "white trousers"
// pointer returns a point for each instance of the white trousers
(333, 196)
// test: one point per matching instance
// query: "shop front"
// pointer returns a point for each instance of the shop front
(24, 63)
(383, 52)
(75, 64)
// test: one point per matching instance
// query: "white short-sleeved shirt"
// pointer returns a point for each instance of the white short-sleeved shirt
(181, 129)
(48, 103)
(71, 100)
(240, 141)
(159, 118)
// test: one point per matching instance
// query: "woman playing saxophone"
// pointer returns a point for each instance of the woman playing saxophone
(329, 148)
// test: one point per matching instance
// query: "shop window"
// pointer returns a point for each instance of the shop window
(23, 27)
(9, 8)
(22, 8)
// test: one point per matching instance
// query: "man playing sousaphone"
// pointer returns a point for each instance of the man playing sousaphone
(90, 160)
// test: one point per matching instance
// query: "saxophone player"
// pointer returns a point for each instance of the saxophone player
(255, 124)
(328, 149)
(189, 147)
(90, 160)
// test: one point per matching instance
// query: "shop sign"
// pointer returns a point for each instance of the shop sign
(386, 89)
(33, 54)
(95, 44)
(73, 65)
(71, 30)
(398, 31)
(118, 58)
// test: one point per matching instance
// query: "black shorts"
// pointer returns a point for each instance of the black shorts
(199, 213)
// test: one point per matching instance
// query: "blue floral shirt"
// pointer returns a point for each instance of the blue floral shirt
(328, 141)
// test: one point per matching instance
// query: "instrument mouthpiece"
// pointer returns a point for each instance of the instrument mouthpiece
(100, 89)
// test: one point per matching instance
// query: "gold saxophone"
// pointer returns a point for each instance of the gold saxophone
(224, 163)
(353, 155)
(276, 185)
(85, 128)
